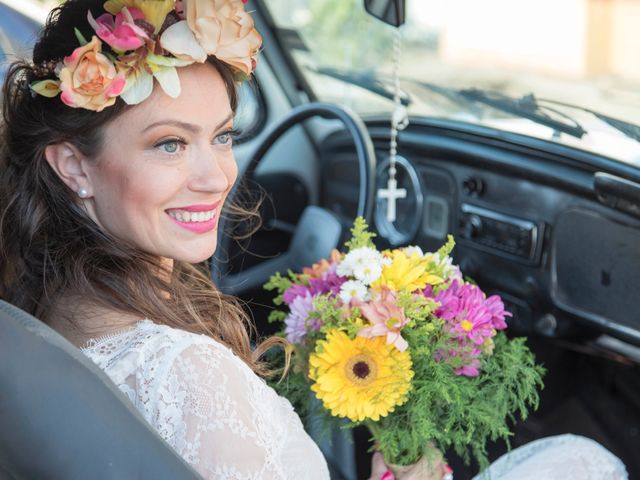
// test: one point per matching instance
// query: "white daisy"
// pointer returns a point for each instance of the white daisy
(369, 273)
(353, 290)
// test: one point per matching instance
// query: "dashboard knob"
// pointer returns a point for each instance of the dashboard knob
(547, 325)
(473, 186)
(473, 227)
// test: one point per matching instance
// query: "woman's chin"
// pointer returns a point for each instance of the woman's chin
(196, 254)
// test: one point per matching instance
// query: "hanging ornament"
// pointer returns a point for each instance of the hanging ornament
(399, 121)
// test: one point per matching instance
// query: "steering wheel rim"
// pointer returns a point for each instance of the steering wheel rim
(364, 150)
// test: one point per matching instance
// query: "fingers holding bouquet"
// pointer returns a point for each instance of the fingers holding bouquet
(399, 341)
(431, 467)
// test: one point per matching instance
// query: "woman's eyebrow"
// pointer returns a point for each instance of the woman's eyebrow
(190, 127)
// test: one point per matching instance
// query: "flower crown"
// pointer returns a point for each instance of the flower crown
(149, 39)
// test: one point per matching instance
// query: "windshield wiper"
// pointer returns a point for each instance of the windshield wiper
(367, 81)
(526, 107)
(631, 130)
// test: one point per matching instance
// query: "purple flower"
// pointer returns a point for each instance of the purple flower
(298, 323)
(296, 290)
(330, 282)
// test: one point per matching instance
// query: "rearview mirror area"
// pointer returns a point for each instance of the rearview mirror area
(391, 12)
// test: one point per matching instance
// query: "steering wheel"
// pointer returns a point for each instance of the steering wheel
(318, 230)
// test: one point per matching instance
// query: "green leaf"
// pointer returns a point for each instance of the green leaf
(447, 248)
(276, 316)
(361, 237)
(83, 41)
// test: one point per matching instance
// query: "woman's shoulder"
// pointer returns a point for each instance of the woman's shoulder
(147, 335)
(147, 342)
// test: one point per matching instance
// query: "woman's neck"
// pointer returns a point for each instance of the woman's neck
(80, 321)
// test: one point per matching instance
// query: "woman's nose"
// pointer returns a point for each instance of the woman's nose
(209, 174)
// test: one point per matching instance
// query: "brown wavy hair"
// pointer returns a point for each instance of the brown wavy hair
(50, 248)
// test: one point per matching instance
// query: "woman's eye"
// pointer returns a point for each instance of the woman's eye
(225, 138)
(170, 146)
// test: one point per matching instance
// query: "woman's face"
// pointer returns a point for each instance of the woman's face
(166, 167)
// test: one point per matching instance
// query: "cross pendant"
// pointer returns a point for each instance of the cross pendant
(392, 193)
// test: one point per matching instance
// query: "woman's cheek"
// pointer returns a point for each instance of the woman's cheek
(231, 171)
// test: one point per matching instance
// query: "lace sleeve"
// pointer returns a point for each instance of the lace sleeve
(219, 416)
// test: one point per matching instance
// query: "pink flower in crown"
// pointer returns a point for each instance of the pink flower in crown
(386, 318)
(89, 79)
(121, 32)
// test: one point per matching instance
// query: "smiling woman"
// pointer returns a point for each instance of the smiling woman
(116, 166)
(191, 165)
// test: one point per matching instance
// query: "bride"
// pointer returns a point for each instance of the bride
(117, 162)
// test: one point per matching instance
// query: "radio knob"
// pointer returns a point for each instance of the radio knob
(473, 186)
(473, 226)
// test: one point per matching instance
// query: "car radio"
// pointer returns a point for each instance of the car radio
(497, 232)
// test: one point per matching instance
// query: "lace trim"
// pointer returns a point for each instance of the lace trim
(97, 342)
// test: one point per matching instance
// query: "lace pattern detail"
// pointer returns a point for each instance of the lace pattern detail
(208, 405)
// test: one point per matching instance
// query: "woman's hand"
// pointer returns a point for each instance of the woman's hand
(433, 468)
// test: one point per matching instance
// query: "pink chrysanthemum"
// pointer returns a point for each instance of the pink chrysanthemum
(462, 306)
(472, 318)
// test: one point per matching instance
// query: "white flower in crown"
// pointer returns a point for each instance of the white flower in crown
(221, 28)
(353, 290)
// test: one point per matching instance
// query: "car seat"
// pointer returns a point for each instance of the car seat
(61, 417)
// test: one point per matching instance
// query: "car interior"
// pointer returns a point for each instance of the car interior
(550, 224)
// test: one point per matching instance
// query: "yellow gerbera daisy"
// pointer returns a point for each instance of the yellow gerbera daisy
(360, 379)
(406, 273)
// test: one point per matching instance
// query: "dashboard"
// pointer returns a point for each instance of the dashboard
(554, 231)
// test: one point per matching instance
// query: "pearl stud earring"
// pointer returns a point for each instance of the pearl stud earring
(82, 193)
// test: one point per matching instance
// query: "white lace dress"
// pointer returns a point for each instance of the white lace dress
(208, 405)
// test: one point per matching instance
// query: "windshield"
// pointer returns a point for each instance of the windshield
(577, 60)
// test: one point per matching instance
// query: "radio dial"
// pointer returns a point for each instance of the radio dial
(474, 226)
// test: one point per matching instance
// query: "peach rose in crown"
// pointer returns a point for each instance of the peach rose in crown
(89, 79)
(221, 28)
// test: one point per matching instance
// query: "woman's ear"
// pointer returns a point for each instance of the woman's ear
(69, 164)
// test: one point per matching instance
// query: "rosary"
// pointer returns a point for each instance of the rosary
(399, 121)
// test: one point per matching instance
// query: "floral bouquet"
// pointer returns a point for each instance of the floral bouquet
(399, 341)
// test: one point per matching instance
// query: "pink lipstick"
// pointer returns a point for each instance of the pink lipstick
(193, 217)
